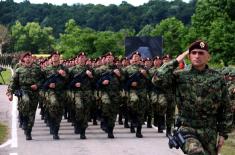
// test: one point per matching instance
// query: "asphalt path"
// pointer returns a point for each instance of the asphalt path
(97, 143)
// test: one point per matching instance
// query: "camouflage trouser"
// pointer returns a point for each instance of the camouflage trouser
(82, 102)
(55, 106)
(170, 112)
(136, 106)
(203, 141)
(159, 103)
(27, 106)
(110, 106)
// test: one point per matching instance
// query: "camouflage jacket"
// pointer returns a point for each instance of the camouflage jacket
(24, 77)
(53, 70)
(202, 97)
(78, 74)
(129, 71)
(105, 72)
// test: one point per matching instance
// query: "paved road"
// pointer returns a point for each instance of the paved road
(97, 143)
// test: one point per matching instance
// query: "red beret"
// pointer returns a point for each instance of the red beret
(82, 53)
(135, 53)
(199, 44)
(24, 55)
(167, 56)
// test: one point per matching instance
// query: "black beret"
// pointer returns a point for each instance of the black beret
(157, 58)
(82, 53)
(199, 44)
(55, 53)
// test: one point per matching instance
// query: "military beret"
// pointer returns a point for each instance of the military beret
(135, 53)
(157, 58)
(108, 54)
(167, 56)
(24, 55)
(81, 54)
(55, 53)
(147, 59)
(199, 44)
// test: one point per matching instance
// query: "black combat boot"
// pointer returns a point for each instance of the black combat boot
(149, 122)
(138, 132)
(168, 131)
(82, 134)
(28, 134)
(132, 129)
(120, 122)
(110, 132)
(94, 121)
(77, 129)
(103, 125)
(126, 125)
(55, 133)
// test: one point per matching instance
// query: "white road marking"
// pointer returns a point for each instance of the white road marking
(13, 154)
(14, 137)
(6, 143)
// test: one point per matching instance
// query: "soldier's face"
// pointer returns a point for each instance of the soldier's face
(55, 58)
(135, 59)
(199, 58)
(82, 59)
(27, 59)
(157, 62)
(109, 59)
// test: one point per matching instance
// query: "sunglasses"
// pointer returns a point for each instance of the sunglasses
(197, 52)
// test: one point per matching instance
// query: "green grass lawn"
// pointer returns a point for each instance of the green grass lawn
(6, 76)
(3, 133)
(229, 147)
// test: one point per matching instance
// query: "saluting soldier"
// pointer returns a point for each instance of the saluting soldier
(205, 112)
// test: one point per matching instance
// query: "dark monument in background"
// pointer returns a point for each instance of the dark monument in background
(149, 47)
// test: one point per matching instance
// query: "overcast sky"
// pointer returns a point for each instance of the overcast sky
(104, 2)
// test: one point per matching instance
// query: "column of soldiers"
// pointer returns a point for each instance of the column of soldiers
(82, 89)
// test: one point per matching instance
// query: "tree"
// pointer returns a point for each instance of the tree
(4, 37)
(173, 31)
(32, 37)
(146, 30)
(214, 23)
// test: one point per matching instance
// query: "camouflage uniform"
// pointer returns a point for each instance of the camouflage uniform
(136, 98)
(55, 97)
(109, 95)
(204, 106)
(82, 97)
(22, 81)
(159, 103)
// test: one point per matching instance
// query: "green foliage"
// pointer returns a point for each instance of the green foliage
(3, 133)
(6, 76)
(97, 17)
(31, 37)
(214, 23)
(77, 39)
(173, 31)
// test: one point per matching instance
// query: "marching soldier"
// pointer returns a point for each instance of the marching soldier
(136, 81)
(56, 76)
(108, 84)
(25, 84)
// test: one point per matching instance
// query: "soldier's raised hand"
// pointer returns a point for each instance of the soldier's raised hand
(181, 57)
